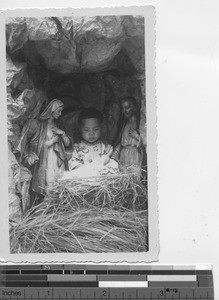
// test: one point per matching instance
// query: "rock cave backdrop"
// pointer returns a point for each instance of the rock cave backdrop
(84, 61)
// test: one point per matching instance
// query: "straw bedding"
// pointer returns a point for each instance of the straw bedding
(104, 214)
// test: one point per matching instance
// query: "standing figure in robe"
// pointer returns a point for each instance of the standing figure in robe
(128, 146)
(42, 148)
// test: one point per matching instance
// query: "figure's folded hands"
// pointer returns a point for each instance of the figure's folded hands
(133, 133)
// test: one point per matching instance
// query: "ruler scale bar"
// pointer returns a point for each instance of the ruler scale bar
(102, 272)
(105, 282)
(79, 272)
(205, 281)
(172, 278)
(51, 272)
(173, 272)
(9, 272)
(112, 293)
(173, 283)
(122, 278)
(23, 278)
(119, 272)
(128, 284)
(72, 278)
(30, 272)
(50, 284)
(75, 267)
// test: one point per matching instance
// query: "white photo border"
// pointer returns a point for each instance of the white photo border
(136, 257)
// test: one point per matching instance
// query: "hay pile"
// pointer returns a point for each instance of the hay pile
(113, 191)
(104, 214)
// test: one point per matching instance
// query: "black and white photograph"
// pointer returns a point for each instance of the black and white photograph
(80, 132)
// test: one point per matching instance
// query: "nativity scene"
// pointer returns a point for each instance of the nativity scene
(77, 147)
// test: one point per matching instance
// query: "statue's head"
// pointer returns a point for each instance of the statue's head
(57, 112)
(54, 109)
(129, 107)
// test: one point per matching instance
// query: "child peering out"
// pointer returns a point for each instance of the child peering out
(91, 156)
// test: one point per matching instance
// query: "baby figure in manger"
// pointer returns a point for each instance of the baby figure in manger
(91, 156)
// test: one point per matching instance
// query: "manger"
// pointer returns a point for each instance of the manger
(81, 215)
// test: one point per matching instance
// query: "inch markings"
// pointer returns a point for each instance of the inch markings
(94, 282)
(106, 293)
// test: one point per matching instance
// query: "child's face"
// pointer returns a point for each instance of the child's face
(91, 130)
